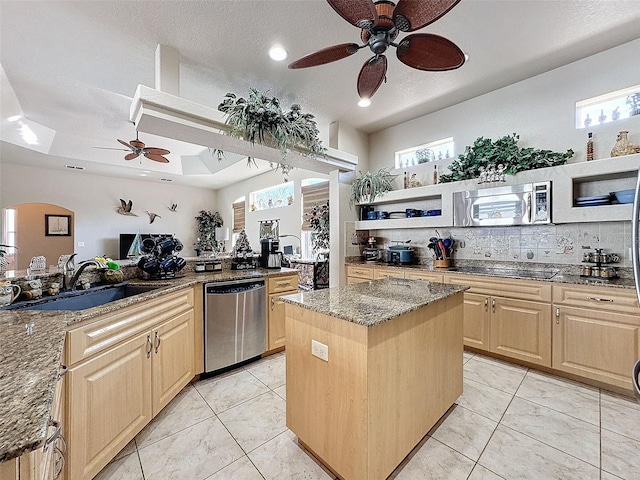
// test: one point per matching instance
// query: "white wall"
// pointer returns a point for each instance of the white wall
(540, 109)
(289, 215)
(94, 200)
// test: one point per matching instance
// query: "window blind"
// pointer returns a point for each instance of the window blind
(238, 216)
(316, 194)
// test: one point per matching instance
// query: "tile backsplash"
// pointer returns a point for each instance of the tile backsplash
(562, 244)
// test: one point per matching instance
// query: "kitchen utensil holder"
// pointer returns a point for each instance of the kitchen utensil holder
(442, 263)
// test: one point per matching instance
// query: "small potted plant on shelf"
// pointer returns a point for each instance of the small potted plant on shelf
(207, 223)
(371, 185)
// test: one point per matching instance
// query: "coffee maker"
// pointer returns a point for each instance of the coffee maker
(270, 257)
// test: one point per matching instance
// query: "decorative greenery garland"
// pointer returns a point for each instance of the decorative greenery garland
(485, 153)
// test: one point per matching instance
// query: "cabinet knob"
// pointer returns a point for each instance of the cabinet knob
(493, 305)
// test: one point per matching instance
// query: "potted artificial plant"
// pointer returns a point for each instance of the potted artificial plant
(371, 185)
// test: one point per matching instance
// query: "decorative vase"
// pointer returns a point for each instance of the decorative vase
(623, 146)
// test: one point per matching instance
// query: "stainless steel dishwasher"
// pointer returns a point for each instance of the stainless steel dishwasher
(235, 322)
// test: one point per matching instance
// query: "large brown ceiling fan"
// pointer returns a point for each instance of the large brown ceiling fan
(137, 148)
(380, 22)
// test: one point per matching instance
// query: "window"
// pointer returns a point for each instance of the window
(238, 219)
(11, 237)
(316, 194)
(429, 152)
(272, 197)
(608, 108)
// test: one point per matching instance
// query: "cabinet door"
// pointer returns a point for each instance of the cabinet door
(352, 280)
(173, 359)
(595, 344)
(360, 272)
(109, 402)
(275, 328)
(476, 321)
(521, 329)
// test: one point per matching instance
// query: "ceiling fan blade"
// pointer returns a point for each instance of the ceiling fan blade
(410, 15)
(156, 158)
(156, 151)
(371, 76)
(326, 55)
(361, 13)
(137, 144)
(110, 148)
(126, 144)
(425, 51)
(131, 156)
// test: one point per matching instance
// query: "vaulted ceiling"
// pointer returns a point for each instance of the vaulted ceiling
(70, 68)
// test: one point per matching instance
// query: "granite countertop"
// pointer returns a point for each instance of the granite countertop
(521, 271)
(30, 361)
(372, 303)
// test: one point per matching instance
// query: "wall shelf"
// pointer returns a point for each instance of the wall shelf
(568, 182)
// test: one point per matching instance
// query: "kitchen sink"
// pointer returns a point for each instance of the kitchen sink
(83, 299)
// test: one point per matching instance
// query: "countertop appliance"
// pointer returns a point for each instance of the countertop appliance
(235, 322)
(525, 204)
(635, 256)
(401, 254)
(270, 257)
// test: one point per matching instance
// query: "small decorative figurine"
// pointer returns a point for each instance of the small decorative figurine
(602, 118)
(125, 208)
(483, 175)
(414, 182)
(500, 175)
(152, 216)
(587, 121)
(615, 115)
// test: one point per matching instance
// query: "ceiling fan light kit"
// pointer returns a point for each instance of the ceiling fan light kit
(380, 23)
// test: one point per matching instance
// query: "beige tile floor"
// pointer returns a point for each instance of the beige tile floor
(510, 423)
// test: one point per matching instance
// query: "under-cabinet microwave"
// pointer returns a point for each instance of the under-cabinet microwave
(527, 204)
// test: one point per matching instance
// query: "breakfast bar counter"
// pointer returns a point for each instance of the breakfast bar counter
(371, 367)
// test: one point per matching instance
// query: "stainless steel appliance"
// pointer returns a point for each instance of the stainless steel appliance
(270, 257)
(235, 322)
(635, 256)
(525, 204)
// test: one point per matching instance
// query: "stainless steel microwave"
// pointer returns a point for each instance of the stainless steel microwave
(527, 204)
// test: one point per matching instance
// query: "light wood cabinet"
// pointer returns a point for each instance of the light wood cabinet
(277, 287)
(476, 320)
(497, 318)
(364, 273)
(423, 275)
(387, 273)
(128, 365)
(46, 462)
(596, 333)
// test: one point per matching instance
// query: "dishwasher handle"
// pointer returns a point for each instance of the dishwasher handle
(226, 289)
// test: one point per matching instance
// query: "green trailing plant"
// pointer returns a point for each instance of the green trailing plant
(260, 118)
(371, 185)
(485, 153)
(207, 223)
(318, 218)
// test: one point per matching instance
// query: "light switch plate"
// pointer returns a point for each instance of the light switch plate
(320, 350)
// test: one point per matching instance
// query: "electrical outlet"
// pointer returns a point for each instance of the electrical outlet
(81, 244)
(320, 350)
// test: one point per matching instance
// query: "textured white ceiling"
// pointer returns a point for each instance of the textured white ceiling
(74, 65)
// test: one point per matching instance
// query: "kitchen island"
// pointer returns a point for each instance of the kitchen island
(371, 367)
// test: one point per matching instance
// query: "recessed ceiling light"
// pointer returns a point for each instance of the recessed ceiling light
(278, 53)
(364, 102)
(144, 174)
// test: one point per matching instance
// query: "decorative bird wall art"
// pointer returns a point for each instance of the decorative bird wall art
(174, 207)
(152, 216)
(125, 208)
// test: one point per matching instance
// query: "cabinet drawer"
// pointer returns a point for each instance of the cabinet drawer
(109, 329)
(283, 283)
(388, 273)
(503, 287)
(352, 280)
(418, 275)
(360, 272)
(602, 298)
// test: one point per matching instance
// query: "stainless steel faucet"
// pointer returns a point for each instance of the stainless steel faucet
(67, 271)
(81, 267)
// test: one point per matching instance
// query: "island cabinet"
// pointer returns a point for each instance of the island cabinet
(277, 287)
(124, 367)
(596, 333)
(509, 317)
(361, 396)
(46, 462)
